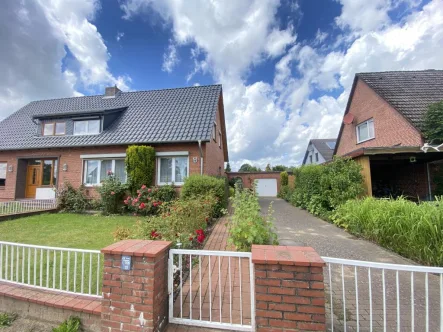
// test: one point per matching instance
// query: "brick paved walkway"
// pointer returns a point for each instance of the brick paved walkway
(227, 297)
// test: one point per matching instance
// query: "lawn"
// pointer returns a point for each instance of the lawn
(55, 269)
(66, 230)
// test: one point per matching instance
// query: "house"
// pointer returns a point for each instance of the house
(81, 139)
(381, 131)
(319, 151)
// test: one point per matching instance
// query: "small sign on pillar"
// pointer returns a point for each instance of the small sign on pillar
(126, 263)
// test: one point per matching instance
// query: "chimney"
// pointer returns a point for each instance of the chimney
(112, 92)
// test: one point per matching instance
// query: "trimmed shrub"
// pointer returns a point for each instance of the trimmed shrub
(148, 200)
(201, 185)
(112, 193)
(70, 199)
(412, 230)
(284, 178)
(247, 225)
(140, 166)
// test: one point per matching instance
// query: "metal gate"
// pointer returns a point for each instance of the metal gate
(370, 296)
(211, 289)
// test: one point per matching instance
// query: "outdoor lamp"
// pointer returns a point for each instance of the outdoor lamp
(10, 168)
(65, 167)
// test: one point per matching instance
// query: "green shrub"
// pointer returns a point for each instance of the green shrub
(6, 319)
(284, 178)
(180, 221)
(198, 185)
(233, 181)
(70, 199)
(72, 324)
(247, 225)
(112, 193)
(140, 166)
(149, 199)
(412, 230)
(231, 192)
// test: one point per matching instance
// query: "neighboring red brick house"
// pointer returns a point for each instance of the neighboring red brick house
(80, 139)
(381, 131)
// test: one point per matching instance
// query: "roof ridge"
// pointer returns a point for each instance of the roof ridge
(399, 71)
(167, 89)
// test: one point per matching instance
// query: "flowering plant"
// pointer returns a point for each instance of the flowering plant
(149, 199)
(112, 192)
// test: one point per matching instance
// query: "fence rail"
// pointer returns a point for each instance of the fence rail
(15, 207)
(68, 270)
(373, 296)
(211, 289)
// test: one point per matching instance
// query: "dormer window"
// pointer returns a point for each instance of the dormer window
(87, 127)
(54, 128)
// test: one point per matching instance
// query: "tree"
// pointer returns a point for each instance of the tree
(268, 168)
(228, 168)
(140, 166)
(433, 122)
(279, 168)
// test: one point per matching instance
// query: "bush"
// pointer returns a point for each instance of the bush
(112, 193)
(198, 185)
(285, 192)
(284, 178)
(233, 181)
(322, 188)
(7, 319)
(412, 230)
(140, 166)
(181, 221)
(247, 225)
(72, 324)
(149, 200)
(70, 199)
(231, 192)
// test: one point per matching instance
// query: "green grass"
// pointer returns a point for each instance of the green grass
(58, 230)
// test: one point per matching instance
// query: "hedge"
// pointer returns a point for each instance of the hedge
(140, 166)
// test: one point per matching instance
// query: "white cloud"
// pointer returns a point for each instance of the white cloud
(170, 58)
(278, 40)
(119, 36)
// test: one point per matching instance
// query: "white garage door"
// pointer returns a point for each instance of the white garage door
(267, 187)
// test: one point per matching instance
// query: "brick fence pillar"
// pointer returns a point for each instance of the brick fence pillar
(135, 300)
(289, 289)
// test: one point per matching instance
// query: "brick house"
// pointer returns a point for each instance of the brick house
(80, 139)
(381, 131)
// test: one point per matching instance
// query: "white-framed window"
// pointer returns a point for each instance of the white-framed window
(365, 131)
(96, 170)
(172, 169)
(3, 168)
(214, 132)
(219, 139)
(310, 159)
(87, 127)
(316, 156)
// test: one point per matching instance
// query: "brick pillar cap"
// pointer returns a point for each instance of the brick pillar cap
(142, 248)
(286, 255)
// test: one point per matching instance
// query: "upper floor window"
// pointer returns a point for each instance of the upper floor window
(316, 156)
(310, 159)
(3, 167)
(365, 131)
(214, 132)
(219, 139)
(87, 127)
(54, 128)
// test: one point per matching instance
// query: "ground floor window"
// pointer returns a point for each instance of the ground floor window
(3, 167)
(96, 170)
(172, 170)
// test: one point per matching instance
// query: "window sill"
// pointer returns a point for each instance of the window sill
(175, 184)
(369, 139)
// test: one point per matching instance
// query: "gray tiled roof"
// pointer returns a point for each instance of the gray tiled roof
(409, 92)
(157, 116)
(322, 148)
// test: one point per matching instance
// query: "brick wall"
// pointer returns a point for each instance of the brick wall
(248, 178)
(71, 157)
(391, 128)
(289, 289)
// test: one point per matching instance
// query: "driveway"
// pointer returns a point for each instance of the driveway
(297, 227)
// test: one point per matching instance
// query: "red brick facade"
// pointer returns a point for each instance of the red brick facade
(390, 127)
(213, 159)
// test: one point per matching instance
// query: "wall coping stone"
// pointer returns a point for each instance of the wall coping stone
(140, 248)
(286, 255)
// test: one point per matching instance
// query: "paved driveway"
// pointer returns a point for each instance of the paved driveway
(297, 227)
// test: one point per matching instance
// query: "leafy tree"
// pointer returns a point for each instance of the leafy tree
(279, 168)
(268, 168)
(228, 168)
(433, 122)
(248, 168)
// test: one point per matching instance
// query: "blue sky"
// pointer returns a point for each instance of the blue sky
(286, 66)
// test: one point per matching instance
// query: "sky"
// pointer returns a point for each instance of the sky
(286, 66)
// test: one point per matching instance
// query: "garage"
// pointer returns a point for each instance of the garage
(266, 187)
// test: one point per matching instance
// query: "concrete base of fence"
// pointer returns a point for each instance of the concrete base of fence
(25, 214)
(137, 299)
(289, 289)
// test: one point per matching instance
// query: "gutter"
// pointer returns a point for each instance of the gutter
(201, 156)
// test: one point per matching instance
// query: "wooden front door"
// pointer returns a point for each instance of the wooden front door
(33, 180)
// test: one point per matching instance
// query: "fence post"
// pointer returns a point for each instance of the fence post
(289, 288)
(135, 299)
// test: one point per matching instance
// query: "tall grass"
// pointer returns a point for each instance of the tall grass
(412, 230)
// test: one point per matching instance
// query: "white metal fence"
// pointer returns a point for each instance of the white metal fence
(369, 296)
(211, 289)
(15, 207)
(61, 269)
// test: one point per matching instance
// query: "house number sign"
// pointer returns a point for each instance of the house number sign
(126, 263)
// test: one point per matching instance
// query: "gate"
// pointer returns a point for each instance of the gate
(211, 289)
(369, 296)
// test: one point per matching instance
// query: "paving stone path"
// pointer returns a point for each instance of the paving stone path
(297, 227)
